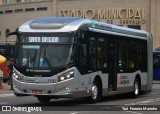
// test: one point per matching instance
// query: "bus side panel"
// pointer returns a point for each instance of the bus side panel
(104, 78)
(143, 76)
(76, 84)
(125, 81)
(86, 81)
(85, 84)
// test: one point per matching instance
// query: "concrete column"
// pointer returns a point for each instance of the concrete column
(54, 5)
(14, 1)
(153, 22)
(3, 2)
(0, 2)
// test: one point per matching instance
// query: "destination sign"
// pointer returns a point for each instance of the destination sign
(47, 37)
(43, 39)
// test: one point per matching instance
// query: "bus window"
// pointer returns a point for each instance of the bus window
(142, 56)
(133, 55)
(82, 54)
(101, 53)
(82, 50)
(123, 54)
(92, 53)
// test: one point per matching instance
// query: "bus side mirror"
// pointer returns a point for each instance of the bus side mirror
(11, 33)
(7, 51)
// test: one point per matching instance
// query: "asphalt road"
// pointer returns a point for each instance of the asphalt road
(119, 104)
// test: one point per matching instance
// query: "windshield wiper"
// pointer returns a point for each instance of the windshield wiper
(46, 59)
(33, 59)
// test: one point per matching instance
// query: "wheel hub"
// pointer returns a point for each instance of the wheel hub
(136, 88)
(94, 92)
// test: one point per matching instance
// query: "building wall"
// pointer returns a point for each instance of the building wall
(21, 13)
(119, 5)
(143, 14)
(0, 2)
(157, 24)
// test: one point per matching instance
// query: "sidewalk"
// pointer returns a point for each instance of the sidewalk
(6, 89)
(156, 82)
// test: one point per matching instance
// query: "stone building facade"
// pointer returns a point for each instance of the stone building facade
(138, 14)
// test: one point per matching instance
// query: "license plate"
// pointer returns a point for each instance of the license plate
(37, 91)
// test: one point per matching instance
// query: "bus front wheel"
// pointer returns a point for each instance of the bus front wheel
(136, 89)
(95, 93)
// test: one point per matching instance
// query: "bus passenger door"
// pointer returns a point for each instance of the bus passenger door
(112, 65)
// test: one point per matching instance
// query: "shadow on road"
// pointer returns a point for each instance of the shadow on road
(83, 101)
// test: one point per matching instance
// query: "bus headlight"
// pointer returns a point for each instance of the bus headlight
(62, 78)
(16, 76)
(66, 76)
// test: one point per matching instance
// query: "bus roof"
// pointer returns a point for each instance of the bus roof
(69, 24)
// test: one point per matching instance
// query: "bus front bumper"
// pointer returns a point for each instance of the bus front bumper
(63, 89)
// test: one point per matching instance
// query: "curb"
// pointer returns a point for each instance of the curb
(156, 82)
(6, 95)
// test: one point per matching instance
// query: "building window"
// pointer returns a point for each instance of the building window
(20, 1)
(7, 31)
(18, 10)
(35, 0)
(29, 9)
(8, 11)
(1, 12)
(135, 26)
(41, 8)
(9, 1)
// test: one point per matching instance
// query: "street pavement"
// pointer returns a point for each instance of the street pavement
(81, 106)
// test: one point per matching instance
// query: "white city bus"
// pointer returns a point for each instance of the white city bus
(68, 57)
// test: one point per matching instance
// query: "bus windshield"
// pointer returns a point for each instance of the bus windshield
(52, 51)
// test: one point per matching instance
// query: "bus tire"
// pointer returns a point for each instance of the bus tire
(95, 93)
(136, 89)
(43, 99)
